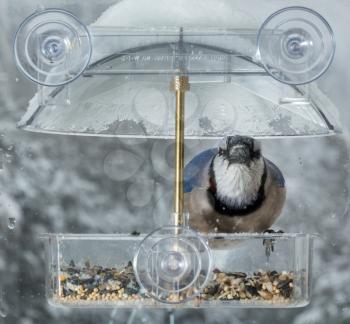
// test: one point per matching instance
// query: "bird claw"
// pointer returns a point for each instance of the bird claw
(270, 243)
(271, 231)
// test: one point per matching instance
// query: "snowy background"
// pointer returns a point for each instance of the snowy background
(69, 184)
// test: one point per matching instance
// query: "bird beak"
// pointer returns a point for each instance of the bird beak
(239, 154)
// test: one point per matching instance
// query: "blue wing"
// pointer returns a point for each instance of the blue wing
(194, 169)
(276, 173)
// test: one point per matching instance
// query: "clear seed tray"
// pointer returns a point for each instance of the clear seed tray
(248, 270)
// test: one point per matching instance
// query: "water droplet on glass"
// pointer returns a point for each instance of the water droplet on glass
(17, 80)
(121, 165)
(221, 114)
(2, 313)
(11, 223)
(3, 309)
(140, 193)
(132, 128)
(151, 106)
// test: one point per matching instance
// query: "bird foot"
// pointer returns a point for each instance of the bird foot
(270, 243)
(271, 231)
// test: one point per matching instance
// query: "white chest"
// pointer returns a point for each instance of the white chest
(237, 184)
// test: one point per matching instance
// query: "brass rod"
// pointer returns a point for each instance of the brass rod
(180, 85)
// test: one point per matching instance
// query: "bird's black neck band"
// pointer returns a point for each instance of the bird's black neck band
(227, 210)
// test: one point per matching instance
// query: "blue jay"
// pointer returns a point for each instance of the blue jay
(233, 188)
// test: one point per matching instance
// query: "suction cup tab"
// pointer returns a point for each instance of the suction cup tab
(173, 264)
(52, 47)
(296, 45)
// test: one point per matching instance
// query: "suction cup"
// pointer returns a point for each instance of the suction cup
(52, 47)
(296, 45)
(173, 264)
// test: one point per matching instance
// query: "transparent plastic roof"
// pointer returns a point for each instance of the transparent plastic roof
(126, 91)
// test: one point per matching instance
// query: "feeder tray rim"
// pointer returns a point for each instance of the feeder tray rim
(141, 236)
(187, 137)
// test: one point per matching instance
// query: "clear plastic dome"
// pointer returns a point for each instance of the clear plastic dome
(142, 106)
(125, 91)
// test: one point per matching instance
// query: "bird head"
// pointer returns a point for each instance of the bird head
(237, 173)
(240, 150)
